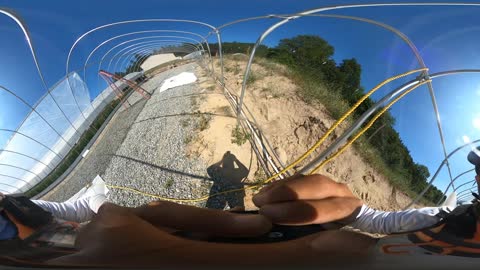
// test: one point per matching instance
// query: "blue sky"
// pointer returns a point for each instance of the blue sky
(446, 37)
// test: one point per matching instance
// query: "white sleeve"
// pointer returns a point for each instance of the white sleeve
(376, 221)
(77, 211)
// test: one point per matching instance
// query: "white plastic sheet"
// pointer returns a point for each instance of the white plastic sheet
(181, 79)
(96, 187)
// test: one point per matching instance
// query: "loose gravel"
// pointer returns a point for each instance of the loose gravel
(100, 154)
(145, 148)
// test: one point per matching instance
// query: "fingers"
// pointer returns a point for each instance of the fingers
(194, 219)
(312, 187)
(313, 199)
(311, 211)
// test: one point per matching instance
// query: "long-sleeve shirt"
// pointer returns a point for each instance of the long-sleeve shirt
(383, 222)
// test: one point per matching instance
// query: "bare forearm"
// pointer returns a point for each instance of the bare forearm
(322, 249)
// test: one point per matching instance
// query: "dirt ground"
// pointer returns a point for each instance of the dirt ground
(291, 125)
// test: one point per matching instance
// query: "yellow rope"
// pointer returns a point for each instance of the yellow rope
(340, 121)
(367, 126)
(203, 198)
(293, 164)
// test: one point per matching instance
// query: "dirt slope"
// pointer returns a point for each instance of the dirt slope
(291, 126)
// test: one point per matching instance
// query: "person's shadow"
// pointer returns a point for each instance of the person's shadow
(226, 177)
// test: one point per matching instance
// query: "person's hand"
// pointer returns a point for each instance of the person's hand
(125, 237)
(121, 236)
(313, 199)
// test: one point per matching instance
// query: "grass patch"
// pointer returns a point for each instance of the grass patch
(203, 121)
(226, 110)
(194, 102)
(185, 122)
(258, 177)
(188, 139)
(169, 183)
(236, 69)
(269, 90)
(252, 78)
(239, 137)
(397, 180)
(313, 89)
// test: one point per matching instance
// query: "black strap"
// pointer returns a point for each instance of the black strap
(26, 212)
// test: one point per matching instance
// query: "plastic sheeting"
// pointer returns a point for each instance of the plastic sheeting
(181, 79)
(96, 187)
(48, 133)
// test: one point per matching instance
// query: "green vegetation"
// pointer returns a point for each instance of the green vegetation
(252, 77)
(239, 47)
(185, 122)
(188, 139)
(169, 183)
(226, 110)
(203, 121)
(239, 137)
(338, 87)
(310, 64)
(74, 152)
(258, 177)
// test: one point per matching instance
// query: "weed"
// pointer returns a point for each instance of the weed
(169, 183)
(269, 90)
(203, 122)
(239, 137)
(188, 139)
(226, 110)
(236, 69)
(258, 177)
(211, 87)
(185, 122)
(252, 77)
(194, 102)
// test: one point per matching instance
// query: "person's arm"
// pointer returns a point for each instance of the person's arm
(81, 210)
(383, 222)
(179, 217)
(118, 237)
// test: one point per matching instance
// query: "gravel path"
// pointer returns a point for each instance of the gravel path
(100, 155)
(144, 148)
(152, 156)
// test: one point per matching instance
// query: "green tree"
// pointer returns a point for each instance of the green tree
(350, 72)
(305, 50)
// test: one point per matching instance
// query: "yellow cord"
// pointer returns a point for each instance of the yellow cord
(369, 125)
(293, 164)
(203, 198)
(340, 121)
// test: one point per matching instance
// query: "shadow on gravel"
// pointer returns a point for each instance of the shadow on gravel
(163, 168)
(181, 96)
(227, 176)
(182, 114)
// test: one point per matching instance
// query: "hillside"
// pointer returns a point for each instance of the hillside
(291, 125)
